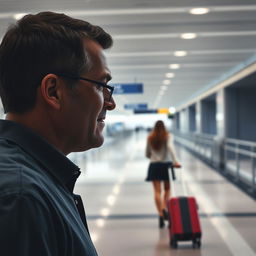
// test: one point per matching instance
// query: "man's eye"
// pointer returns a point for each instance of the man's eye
(100, 88)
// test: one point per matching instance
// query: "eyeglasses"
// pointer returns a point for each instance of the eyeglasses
(107, 93)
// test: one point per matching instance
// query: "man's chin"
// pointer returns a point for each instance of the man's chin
(97, 142)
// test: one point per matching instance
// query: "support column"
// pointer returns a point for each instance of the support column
(220, 113)
(198, 117)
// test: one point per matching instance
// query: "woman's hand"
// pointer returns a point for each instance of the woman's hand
(177, 165)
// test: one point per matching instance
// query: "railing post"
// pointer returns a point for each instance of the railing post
(253, 169)
(237, 162)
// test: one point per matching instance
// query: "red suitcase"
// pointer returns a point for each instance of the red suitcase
(184, 220)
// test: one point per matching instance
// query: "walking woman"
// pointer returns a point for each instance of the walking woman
(160, 151)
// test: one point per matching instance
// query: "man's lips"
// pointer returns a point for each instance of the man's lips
(101, 119)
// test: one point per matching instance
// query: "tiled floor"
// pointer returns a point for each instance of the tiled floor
(121, 212)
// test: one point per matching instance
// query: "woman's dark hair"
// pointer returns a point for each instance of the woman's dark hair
(39, 44)
(158, 136)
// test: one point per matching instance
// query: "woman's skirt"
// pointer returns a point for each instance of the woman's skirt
(158, 171)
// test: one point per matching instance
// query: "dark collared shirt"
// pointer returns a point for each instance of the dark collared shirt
(39, 214)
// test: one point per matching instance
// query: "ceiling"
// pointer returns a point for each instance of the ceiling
(147, 33)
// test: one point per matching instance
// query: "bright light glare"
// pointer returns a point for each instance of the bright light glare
(172, 110)
(116, 190)
(219, 117)
(94, 237)
(188, 36)
(111, 200)
(18, 16)
(100, 222)
(180, 53)
(169, 75)
(105, 212)
(199, 11)
(166, 82)
(174, 66)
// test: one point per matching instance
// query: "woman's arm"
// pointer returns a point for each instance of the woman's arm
(170, 148)
(148, 151)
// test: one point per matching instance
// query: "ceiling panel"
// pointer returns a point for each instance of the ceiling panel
(147, 33)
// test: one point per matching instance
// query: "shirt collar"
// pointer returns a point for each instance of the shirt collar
(50, 157)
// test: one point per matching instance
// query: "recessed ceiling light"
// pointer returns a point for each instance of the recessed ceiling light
(18, 16)
(174, 66)
(180, 53)
(166, 82)
(172, 110)
(188, 36)
(199, 11)
(169, 75)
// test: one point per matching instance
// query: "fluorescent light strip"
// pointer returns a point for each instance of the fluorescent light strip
(140, 54)
(130, 11)
(180, 53)
(227, 33)
(164, 53)
(188, 36)
(136, 11)
(163, 66)
(137, 66)
(145, 36)
(199, 11)
(174, 66)
(224, 51)
(185, 35)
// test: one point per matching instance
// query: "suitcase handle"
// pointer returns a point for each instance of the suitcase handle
(172, 181)
(170, 166)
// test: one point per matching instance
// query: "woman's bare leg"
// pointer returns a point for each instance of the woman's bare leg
(157, 196)
(167, 193)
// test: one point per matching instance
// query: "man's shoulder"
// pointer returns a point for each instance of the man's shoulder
(18, 171)
(14, 158)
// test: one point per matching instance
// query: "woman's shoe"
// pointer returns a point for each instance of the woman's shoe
(165, 214)
(161, 222)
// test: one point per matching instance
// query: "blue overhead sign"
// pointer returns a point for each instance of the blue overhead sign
(145, 111)
(136, 106)
(128, 88)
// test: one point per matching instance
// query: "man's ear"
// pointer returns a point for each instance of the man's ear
(51, 90)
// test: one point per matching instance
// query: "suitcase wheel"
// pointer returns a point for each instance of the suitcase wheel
(174, 243)
(196, 243)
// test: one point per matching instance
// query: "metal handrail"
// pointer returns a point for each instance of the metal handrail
(250, 152)
(241, 142)
(200, 142)
(241, 151)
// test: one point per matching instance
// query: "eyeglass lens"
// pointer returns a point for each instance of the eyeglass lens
(107, 93)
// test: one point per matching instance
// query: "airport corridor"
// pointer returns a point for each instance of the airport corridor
(121, 212)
